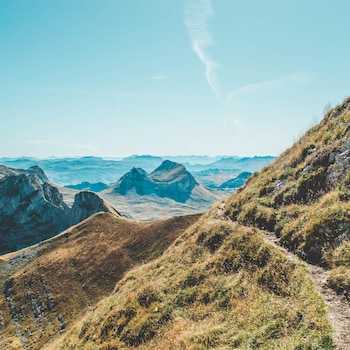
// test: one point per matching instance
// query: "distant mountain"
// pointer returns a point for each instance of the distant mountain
(236, 182)
(170, 180)
(72, 171)
(95, 187)
(32, 208)
(169, 190)
(193, 159)
(250, 164)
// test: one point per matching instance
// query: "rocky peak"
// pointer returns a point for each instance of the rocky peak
(168, 165)
(38, 172)
(170, 180)
(32, 209)
(171, 172)
(135, 179)
(86, 203)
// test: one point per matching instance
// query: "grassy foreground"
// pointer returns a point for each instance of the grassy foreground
(219, 286)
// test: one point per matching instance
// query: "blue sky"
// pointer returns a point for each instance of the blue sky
(167, 77)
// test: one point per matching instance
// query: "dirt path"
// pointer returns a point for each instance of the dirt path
(337, 307)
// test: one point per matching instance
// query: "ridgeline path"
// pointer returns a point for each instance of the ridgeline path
(338, 308)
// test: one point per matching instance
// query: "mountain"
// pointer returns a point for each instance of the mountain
(46, 287)
(169, 190)
(72, 171)
(250, 164)
(236, 182)
(225, 284)
(94, 187)
(170, 180)
(33, 209)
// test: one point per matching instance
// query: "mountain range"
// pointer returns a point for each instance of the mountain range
(266, 268)
(209, 171)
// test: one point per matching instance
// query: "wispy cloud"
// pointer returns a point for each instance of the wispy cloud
(197, 12)
(270, 84)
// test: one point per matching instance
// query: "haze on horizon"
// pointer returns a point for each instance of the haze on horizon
(178, 77)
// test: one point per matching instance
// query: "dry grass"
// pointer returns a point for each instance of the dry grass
(304, 196)
(76, 269)
(218, 287)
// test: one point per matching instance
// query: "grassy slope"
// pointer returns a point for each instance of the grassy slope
(219, 286)
(304, 197)
(73, 271)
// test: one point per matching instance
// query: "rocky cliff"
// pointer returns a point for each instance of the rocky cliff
(32, 208)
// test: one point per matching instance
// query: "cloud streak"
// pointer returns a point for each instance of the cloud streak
(270, 84)
(197, 12)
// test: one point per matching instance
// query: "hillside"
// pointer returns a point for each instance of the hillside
(224, 284)
(220, 286)
(47, 286)
(303, 197)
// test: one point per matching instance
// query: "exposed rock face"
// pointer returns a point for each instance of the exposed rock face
(86, 204)
(136, 179)
(170, 180)
(32, 209)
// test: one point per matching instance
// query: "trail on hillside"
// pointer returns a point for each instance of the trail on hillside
(337, 307)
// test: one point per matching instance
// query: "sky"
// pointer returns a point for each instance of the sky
(114, 78)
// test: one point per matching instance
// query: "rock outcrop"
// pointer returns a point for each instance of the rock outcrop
(87, 203)
(32, 209)
(170, 180)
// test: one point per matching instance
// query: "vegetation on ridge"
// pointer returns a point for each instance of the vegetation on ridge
(219, 286)
(304, 196)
